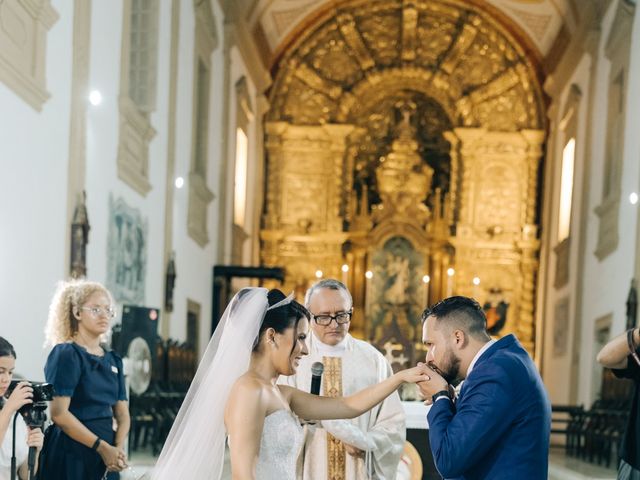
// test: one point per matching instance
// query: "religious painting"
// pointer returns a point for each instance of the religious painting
(495, 309)
(395, 295)
(126, 252)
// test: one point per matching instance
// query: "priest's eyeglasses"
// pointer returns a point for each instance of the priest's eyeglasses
(325, 319)
(98, 311)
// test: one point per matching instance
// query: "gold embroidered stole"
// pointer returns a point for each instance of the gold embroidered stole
(332, 387)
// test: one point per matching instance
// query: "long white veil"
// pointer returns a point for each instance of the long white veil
(195, 446)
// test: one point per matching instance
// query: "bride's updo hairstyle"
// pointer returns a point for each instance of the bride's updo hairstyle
(280, 318)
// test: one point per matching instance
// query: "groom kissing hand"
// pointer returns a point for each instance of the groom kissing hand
(435, 387)
(499, 427)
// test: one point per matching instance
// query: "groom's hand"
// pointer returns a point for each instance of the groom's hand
(432, 386)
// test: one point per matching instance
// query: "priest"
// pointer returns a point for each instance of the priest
(368, 446)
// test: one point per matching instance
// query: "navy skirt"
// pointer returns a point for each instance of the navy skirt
(63, 458)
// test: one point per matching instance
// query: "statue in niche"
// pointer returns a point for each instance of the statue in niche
(79, 238)
(632, 305)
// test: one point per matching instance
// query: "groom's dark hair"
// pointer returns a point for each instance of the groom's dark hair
(282, 317)
(462, 313)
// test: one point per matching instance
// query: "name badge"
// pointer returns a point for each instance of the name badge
(114, 369)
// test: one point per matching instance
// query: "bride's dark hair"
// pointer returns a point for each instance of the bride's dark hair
(282, 317)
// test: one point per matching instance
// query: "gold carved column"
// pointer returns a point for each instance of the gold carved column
(308, 170)
(496, 235)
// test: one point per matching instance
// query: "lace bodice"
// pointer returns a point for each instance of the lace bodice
(282, 439)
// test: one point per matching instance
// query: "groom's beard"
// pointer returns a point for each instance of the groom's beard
(450, 368)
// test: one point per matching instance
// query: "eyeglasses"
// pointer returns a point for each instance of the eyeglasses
(97, 311)
(325, 319)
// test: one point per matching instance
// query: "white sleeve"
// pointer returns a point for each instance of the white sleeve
(349, 433)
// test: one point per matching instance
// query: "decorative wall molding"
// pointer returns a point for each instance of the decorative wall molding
(240, 236)
(136, 133)
(206, 41)
(562, 251)
(137, 101)
(617, 50)
(199, 199)
(620, 34)
(206, 30)
(24, 25)
(561, 326)
(244, 110)
(608, 236)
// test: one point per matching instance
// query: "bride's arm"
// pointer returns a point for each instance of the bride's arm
(314, 407)
(244, 419)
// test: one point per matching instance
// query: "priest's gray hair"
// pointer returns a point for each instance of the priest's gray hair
(331, 284)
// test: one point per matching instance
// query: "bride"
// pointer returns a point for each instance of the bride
(234, 393)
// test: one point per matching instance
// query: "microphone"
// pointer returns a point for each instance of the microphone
(316, 376)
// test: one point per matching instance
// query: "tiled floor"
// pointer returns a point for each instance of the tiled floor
(561, 467)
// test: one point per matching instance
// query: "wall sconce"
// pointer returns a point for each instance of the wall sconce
(169, 283)
(79, 239)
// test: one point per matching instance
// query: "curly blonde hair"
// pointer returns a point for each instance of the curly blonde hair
(62, 324)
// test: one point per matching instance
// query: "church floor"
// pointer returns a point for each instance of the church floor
(561, 467)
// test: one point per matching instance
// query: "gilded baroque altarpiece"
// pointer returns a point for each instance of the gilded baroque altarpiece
(405, 139)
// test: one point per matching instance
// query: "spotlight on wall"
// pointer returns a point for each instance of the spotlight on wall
(426, 279)
(368, 274)
(318, 273)
(179, 182)
(95, 97)
(451, 272)
(345, 268)
(633, 198)
(476, 280)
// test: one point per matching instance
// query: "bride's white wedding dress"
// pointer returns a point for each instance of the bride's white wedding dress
(195, 447)
(282, 438)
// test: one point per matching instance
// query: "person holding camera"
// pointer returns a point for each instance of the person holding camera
(21, 395)
(89, 388)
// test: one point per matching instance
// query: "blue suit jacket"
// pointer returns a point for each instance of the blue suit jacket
(499, 426)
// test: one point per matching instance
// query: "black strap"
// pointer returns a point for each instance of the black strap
(96, 444)
(632, 346)
(441, 393)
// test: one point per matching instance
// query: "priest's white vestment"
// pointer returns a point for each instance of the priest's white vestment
(350, 366)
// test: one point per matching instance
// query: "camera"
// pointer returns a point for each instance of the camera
(34, 413)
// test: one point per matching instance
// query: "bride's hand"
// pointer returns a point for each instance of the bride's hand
(416, 374)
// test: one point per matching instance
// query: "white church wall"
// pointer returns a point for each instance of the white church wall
(560, 330)
(194, 264)
(34, 152)
(102, 182)
(34, 148)
(607, 281)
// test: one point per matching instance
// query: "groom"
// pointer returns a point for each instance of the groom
(498, 428)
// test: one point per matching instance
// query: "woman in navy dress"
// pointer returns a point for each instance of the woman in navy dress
(89, 388)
